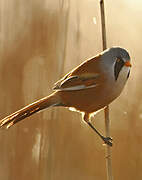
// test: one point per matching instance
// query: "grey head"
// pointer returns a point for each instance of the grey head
(117, 57)
(113, 53)
(120, 53)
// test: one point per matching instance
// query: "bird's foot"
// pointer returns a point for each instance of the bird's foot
(108, 140)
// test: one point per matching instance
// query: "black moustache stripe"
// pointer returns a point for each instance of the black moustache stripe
(117, 68)
(128, 74)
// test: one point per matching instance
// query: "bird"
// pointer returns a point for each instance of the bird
(88, 88)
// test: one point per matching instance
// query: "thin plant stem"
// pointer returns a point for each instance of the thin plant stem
(104, 43)
(108, 148)
(106, 111)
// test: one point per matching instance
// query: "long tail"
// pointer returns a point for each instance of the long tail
(27, 111)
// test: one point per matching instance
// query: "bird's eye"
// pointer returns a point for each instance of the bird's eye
(118, 60)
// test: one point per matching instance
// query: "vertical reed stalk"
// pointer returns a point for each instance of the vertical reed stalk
(106, 111)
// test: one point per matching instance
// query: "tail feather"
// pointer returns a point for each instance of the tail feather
(30, 109)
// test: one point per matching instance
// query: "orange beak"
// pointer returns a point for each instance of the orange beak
(128, 64)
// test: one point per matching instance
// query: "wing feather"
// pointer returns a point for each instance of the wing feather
(84, 76)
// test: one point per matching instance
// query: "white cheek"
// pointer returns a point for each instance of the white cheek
(122, 77)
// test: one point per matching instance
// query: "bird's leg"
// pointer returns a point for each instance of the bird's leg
(107, 140)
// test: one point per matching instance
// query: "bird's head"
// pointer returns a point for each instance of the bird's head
(118, 58)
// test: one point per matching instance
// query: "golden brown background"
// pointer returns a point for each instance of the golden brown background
(40, 41)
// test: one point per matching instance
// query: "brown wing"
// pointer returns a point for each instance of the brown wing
(86, 75)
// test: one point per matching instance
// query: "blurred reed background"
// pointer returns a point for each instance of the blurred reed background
(40, 41)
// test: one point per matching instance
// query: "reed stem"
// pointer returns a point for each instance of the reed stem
(106, 111)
